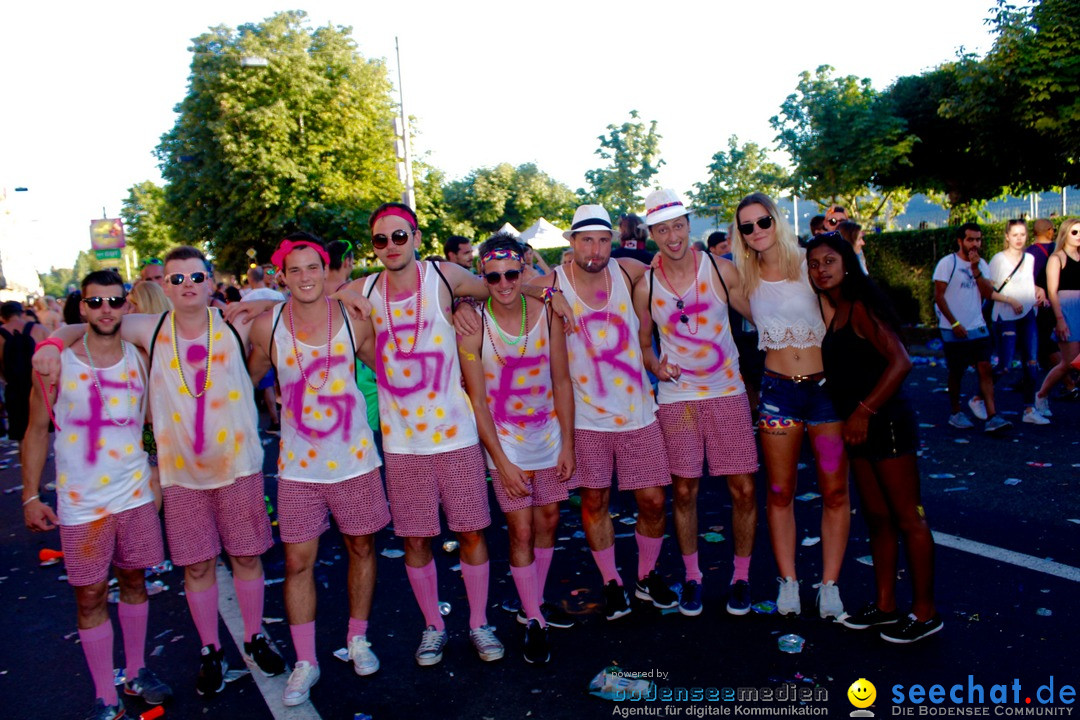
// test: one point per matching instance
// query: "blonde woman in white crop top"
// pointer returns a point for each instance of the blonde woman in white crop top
(793, 395)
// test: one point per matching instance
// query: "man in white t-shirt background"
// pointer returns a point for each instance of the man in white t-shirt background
(961, 283)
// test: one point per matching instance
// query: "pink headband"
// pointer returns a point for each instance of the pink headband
(398, 212)
(287, 246)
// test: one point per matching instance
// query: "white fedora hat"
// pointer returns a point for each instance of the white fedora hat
(663, 205)
(589, 217)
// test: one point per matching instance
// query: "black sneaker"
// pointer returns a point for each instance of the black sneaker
(616, 603)
(149, 687)
(554, 616)
(653, 589)
(910, 630)
(211, 678)
(101, 711)
(739, 600)
(869, 616)
(265, 657)
(536, 643)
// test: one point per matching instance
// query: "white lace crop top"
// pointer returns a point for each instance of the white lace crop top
(786, 314)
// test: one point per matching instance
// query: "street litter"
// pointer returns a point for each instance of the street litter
(810, 541)
(865, 560)
(713, 537)
(765, 607)
(1012, 481)
(614, 683)
(790, 643)
(392, 553)
(808, 496)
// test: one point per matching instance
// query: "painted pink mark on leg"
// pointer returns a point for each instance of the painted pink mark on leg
(829, 450)
(776, 488)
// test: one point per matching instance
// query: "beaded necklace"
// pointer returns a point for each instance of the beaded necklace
(505, 338)
(418, 325)
(97, 385)
(683, 317)
(607, 305)
(209, 353)
(296, 350)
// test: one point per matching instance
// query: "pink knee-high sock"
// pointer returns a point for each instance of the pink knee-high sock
(204, 611)
(97, 643)
(742, 569)
(476, 589)
(425, 586)
(526, 581)
(693, 572)
(356, 627)
(303, 638)
(605, 561)
(648, 552)
(249, 595)
(133, 620)
(543, 564)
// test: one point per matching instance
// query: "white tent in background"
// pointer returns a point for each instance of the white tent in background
(542, 234)
(508, 228)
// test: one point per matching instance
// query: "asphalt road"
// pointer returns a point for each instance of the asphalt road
(1007, 616)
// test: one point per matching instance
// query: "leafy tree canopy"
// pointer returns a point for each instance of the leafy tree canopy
(734, 174)
(632, 151)
(145, 227)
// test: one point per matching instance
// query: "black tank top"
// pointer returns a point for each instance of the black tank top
(1070, 275)
(853, 367)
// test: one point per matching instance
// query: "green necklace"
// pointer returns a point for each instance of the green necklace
(506, 339)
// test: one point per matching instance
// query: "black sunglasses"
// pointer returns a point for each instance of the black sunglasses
(115, 302)
(764, 222)
(178, 278)
(494, 277)
(400, 237)
(683, 317)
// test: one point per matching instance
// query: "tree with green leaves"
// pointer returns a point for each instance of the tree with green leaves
(145, 227)
(734, 174)
(842, 135)
(488, 197)
(302, 140)
(632, 151)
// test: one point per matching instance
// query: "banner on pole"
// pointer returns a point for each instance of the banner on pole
(107, 234)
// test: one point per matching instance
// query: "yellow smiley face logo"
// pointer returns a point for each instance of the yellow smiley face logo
(862, 693)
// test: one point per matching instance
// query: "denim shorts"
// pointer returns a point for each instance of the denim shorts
(785, 402)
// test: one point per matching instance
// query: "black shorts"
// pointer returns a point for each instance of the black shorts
(892, 433)
(961, 354)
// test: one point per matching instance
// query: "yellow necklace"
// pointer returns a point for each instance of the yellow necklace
(209, 353)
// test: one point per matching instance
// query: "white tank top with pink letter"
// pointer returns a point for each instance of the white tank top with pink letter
(101, 468)
(520, 398)
(423, 407)
(208, 441)
(325, 437)
(611, 391)
(702, 347)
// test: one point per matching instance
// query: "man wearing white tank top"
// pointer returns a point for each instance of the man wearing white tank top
(704, 412)
(327, 461)
(615, 426)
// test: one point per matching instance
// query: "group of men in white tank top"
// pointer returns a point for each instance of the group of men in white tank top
(546, 389)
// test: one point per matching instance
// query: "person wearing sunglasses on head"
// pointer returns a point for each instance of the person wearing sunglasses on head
(517, 377)
(327, 463)
(209, 455)
(105, 506)
(704, 412)
(794, 401)
(153, 270)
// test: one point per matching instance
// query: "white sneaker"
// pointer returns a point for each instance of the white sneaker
(432, 642)
(787, 602)
(960, 421)
(1033, 416)
(487, 645)
(298, 689)
(1042, 406)
(828, 600)
(978, 407)
(363, 659)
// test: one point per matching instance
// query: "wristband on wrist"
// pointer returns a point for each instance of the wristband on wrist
(549, 292)
(55, 342)
(464, 300)
(956, 323)
(30, 500)
(867, 408)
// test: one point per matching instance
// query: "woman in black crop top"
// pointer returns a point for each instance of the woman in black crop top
(865, 366)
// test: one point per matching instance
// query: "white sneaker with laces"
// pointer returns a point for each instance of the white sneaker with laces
(960, 421)
(298, 689)
(1034, 417)
(1042, 406)
(787, 602)
(978, 407)
(486, 644)
(363, 659)
(828, 600)
(431, 647)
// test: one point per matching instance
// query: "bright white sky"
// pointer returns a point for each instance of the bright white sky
(88, 90)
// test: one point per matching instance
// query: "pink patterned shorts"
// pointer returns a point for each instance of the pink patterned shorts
(543, 486)
(130, 540)
(638, 458)
(199, 522)
(417, 484)
(357, 504)
(717, 428)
